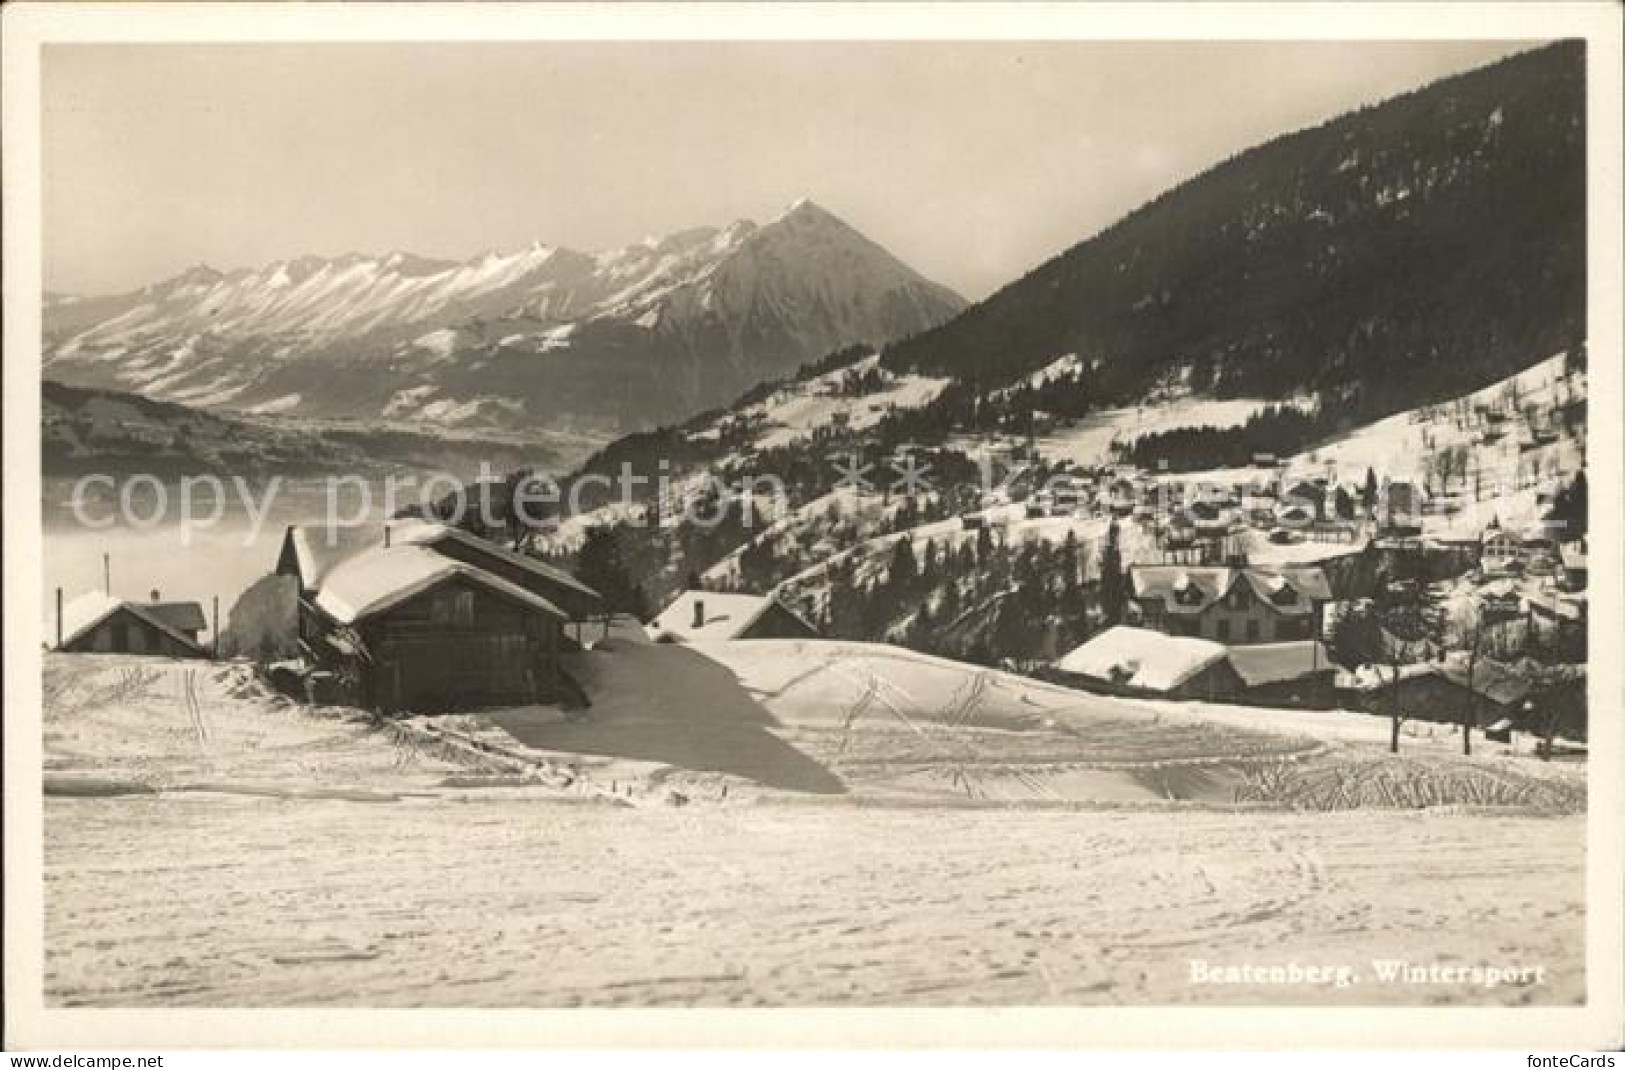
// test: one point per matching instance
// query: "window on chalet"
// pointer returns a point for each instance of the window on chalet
(1252, 631)
(1223, 627)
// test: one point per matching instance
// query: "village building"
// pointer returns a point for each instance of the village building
(705, 616)
(1178, 530)
(309, 552)
(405, 628)
(1137, 661)
(1553, 608)
(1299, 673)
(578, 601)
(99, 623)
(1439, 692)
(1575, 575)
(1230, 605)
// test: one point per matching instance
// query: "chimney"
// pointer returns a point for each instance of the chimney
(699, 613)
(156, 595)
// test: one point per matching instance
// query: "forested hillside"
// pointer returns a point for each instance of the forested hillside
(1410, 251)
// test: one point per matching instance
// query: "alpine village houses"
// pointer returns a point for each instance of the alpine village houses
(430, 617)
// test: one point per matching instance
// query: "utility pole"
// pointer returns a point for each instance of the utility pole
(107, 573)
(216, 629)
(59, 618)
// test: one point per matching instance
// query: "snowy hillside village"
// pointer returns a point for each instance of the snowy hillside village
(1429, 568)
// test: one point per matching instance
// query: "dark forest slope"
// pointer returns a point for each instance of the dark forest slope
(1406, 252)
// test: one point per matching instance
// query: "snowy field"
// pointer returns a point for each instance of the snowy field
(862, 826)
(1090, 441)
(494, 902)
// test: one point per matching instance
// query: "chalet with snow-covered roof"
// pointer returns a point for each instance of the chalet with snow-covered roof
(99, 623)
(309, 552)
(427, 618)
(1138, 661)
(703, 616)
(1575, 575)
(1230, 605)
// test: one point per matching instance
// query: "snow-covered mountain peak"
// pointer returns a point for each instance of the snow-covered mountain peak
(415, 331)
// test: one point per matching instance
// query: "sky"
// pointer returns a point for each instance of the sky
(973, 162)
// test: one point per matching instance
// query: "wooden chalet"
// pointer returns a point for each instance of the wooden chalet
(429, 618)
(99, 623)
(697, 616)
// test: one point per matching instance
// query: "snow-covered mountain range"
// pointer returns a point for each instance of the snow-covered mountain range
(613, 340)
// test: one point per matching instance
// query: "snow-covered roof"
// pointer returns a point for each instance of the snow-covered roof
(1574, 555)
(91, 608)
(376, 579)
(182, 616)
(1188, 589)
(1269, 663)
(1138, 657)
(1501, 684)
(724, 616)
(427, 533)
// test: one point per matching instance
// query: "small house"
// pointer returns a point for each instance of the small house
(406, 628)
(99, 623)
(1230, 605)
(702, 616)
(1574, 565)
(1498, 549)
(424, 616)
(1210, 518)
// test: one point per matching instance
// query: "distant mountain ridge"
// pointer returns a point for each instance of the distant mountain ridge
(88, 431)
(1410, 251)
(540, 335)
